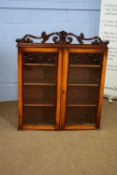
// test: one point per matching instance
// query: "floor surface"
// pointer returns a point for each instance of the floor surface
(60, 152)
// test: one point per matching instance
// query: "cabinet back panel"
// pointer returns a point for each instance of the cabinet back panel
(39, 115)
(82, 95)
(39, 94)
(40, 74)
(80, 115)
(84, 75)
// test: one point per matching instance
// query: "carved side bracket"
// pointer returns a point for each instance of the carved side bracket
(61, 37)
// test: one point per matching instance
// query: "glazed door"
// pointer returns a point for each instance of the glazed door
(82, 70)
(39, 88)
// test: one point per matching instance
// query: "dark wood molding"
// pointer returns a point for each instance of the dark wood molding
(62, 37)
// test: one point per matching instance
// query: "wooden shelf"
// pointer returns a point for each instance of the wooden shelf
(84, 84)
(81, 105)
(71, 65)
(38, 105)
(85, 65)
(40, 64)
(39, 84)
(52, 105)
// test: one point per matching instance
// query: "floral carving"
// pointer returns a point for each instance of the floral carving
(50, 58)
(86, 58)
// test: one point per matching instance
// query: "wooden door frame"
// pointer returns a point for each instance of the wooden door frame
(20, 89)
(66, 52)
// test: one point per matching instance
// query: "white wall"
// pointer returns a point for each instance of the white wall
(34, 16)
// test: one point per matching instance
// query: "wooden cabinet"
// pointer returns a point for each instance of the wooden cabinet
(60, 85)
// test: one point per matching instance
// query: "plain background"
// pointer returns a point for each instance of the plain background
(19, 17)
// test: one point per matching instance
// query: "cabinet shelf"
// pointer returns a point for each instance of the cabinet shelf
(84, 84)
(52, 105)
(81, 105)
(71, 65)
(85, 65)
(39, 64)
(39, 84)
(38, 105)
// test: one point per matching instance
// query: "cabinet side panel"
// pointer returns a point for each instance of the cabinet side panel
(20, 91)
(101, 90)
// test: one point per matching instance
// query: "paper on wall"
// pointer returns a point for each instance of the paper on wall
(108, 31)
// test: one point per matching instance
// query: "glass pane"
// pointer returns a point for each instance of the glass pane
(84, 75)
(80, 115)
(40, 94)
(82, 95)
(40, 67)
(39, 115)
(83, 87)
(39, 74)
(39, 88)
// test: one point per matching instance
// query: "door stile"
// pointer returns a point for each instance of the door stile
(64, 87)
(101, 89)
(58, 94)
(20, 89)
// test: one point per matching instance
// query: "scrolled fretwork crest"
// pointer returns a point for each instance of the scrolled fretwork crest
(61, 37)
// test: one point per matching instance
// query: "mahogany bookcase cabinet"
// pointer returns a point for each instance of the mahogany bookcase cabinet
(60, 84)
